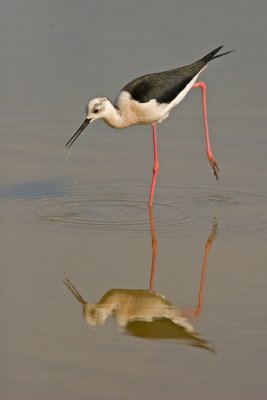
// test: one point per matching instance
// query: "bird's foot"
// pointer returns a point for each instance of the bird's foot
(214, 165)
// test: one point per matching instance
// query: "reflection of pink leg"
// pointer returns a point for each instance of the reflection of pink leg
(203, 276)
(154, 248)
(196, 311)
(211, 158)
(155, 167)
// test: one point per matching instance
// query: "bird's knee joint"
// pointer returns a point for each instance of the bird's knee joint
(201, 85)
(156, 168)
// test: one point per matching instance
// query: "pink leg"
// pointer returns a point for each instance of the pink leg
(155, 167)
(211, 158)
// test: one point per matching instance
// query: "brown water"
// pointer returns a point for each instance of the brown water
(100, 299)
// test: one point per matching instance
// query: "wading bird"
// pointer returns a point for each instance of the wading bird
(148, 100)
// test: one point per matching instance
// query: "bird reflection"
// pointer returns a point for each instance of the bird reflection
(146, 313)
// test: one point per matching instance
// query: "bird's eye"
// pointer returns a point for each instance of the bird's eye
(96, 111)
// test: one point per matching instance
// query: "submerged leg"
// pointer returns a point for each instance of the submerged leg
(211, 158)
(155, 167)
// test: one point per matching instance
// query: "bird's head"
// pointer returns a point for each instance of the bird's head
(96, 109)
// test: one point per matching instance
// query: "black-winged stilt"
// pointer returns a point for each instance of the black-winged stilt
(148, 100)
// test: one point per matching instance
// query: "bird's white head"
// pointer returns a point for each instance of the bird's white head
(97, 108)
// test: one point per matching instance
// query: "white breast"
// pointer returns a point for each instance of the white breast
(135, 113)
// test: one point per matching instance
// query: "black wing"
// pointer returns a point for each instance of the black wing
(162, 86)
(165, 86)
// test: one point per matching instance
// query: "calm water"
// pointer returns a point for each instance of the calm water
(99, 298)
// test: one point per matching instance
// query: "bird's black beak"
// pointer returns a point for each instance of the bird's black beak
(78, 132)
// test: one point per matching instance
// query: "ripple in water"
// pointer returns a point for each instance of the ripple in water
(124, 208)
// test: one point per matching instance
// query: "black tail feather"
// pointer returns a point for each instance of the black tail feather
(212, 56)
(223, 54)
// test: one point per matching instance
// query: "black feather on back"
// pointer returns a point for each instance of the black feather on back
(165, 86)
(162, 86)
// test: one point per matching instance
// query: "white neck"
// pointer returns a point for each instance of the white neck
(114, 117)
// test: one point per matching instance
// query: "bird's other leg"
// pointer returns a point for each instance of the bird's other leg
(155, 166)
(211, 158)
